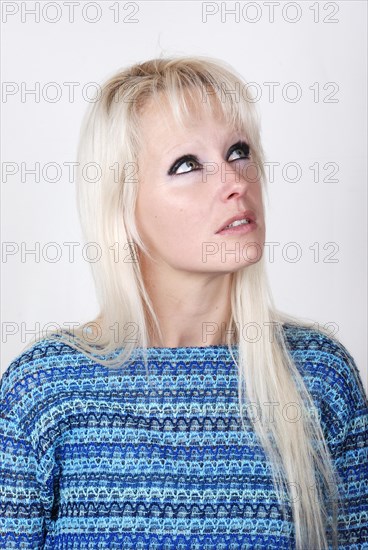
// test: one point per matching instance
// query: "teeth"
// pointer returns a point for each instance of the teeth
(237, 222)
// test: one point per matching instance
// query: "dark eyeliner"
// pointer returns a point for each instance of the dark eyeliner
(240, 145)
(180, 161)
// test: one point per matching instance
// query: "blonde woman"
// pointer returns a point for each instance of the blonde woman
(191, 413)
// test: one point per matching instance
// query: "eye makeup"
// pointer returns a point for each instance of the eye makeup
(193, 158)
(240, 145)
(180, 161)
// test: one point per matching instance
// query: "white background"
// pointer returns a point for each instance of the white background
(322, 47)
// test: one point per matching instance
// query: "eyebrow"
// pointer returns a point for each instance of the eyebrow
(183, 145)
(237, 137)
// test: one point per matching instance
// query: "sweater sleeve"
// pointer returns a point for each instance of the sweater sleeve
(347, 407)
(26, 493)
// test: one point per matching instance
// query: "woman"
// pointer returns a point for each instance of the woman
(191, 413)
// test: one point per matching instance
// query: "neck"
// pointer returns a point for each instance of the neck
(193, 309)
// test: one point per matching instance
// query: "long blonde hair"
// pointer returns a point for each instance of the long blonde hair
(108, 146)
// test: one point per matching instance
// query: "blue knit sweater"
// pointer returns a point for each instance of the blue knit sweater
(92, 459)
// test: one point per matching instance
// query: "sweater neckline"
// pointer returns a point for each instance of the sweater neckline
(184, 348)
(182, 351)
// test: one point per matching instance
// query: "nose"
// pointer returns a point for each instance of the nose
(234, 180)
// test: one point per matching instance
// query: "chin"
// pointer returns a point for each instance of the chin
(234, 255)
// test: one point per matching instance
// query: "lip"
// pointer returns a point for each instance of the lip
(248, 214)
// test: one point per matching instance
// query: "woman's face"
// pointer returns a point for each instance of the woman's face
(183, 203)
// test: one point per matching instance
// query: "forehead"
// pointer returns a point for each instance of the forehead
(159, 120)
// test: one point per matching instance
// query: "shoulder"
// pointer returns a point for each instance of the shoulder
(37, 357)
(322, 356)
(315, 351)
(35, 373)
(300, 337)
(331, 375)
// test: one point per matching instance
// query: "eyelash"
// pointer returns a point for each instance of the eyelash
(190, 158)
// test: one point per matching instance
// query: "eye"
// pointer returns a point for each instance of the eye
(241, 148)
(188, 160)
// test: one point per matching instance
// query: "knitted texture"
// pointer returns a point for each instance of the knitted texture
(97, 458)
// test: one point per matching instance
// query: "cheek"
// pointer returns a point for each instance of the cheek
(171, 223)
(251, 173)
(158, 221)
(255, 191)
